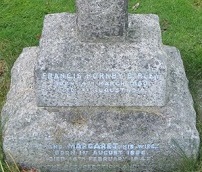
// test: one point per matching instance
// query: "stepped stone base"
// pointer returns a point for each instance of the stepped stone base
(43, 137)
(127, 72)
(105, 138)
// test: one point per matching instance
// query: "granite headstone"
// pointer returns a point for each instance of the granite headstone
(100, 93)
(101, 19)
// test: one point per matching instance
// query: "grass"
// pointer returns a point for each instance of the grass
(21, 24)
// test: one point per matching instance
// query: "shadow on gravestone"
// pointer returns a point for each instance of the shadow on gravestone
(100, 93)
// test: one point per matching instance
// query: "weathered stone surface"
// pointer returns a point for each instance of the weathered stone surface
(125, 73)
(72, 139)
(108, 100)
(101, 19)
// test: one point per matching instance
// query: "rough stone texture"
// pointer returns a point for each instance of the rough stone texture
(72, 139)
(93, 98)
(132, 72)
(101, 19)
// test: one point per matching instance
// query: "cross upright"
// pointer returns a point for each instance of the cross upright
(101, 19)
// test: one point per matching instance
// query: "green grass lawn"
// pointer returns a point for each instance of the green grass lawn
(21, 25)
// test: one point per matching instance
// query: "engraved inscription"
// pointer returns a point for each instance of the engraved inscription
(117, 88)
(92, 156)
(101, 152)
(99, 82)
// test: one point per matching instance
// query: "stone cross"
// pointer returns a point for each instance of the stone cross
(101, 19)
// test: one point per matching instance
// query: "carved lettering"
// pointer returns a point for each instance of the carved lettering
(101, 152)
(99, 83)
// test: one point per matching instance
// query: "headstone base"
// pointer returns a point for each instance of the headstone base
(127, 72)
(98, 138)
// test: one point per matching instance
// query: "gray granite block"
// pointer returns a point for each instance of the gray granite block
(101, 19)
(100, 93)
(75, 139)
(123, 73)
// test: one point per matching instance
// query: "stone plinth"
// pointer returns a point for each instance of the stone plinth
(96, 95)
(79, 139)
(126, 73)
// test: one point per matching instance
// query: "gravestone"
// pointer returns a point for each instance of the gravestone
(101, 19)
(100, 93)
